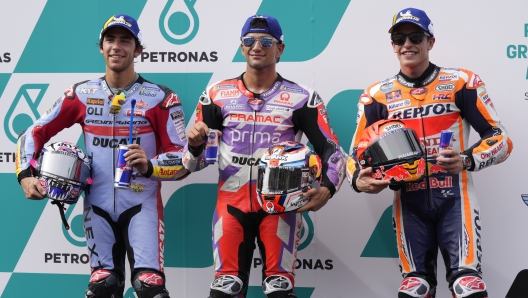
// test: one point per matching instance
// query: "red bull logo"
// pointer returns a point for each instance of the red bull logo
(433, 183)
(435, 169)
(397, 172)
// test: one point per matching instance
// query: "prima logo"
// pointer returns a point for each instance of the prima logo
(178, 26)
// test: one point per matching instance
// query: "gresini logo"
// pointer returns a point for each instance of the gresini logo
(179, 27)
(23, 110)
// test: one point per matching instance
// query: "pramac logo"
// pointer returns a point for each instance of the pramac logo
(179, 26)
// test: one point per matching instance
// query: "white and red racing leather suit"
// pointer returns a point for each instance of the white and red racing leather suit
(250, 123)
(441, 209)
(116, 220)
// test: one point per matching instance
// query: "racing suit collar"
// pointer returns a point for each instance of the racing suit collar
(129, 89)
(426, 78)
(278, 82)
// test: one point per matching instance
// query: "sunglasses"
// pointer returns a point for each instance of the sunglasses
(265, 41)
(415, 38)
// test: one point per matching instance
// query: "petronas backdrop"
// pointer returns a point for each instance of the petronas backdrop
(338, 47)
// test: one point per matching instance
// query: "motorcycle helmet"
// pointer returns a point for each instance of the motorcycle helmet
(393, 150)
(285, 171)
(63, 169)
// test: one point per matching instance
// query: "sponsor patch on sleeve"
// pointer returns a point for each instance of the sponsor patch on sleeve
(474, 82)
(365, 99)
(314, 101)
(172, 100)
(204, 99)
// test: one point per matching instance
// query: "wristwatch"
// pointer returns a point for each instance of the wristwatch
(466, 162)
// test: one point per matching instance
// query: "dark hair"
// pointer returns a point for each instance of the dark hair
(138, 44)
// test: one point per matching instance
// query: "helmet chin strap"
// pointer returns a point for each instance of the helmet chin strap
(61, 210)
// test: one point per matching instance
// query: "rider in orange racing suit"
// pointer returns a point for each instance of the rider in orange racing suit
(441, 210)
(447, 98)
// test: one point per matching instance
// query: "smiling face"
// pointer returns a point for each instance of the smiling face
(119, 50)
(414, 58)
(259, 57)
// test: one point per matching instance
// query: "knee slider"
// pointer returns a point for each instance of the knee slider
(469, 286)
(415, 287)
(150, 284)
(228, 284)
(104, 283)
(275, 283)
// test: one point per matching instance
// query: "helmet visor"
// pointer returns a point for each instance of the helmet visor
(401, 144)
(281, 180)
(57, 164)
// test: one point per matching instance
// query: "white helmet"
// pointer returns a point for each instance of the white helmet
(64, 171)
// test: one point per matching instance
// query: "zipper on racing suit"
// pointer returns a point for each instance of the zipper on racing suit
(431, 73)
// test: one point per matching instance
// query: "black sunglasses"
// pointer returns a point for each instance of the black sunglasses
(415, 37)
(265, 42)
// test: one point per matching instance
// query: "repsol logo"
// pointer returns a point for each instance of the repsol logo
(308, 264)
(65, 258)
(429, 110)
(243, 161)
(477, 233)
(113, 143)
(487, 163)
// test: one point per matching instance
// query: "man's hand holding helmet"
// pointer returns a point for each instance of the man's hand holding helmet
(366, 183)
(318, 197)
(286, 174)
(32, 188)
(62, 173)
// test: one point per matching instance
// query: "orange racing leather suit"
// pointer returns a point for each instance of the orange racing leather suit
(441, 209)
